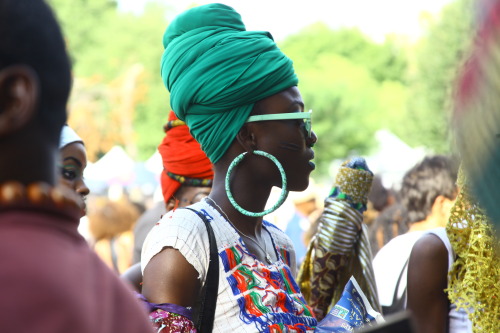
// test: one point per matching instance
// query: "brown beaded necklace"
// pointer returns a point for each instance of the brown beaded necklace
(13, 192)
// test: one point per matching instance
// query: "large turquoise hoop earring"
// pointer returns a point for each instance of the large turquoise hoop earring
(284, 191)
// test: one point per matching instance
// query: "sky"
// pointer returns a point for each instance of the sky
(376, 18)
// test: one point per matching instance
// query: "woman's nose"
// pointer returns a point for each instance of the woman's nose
(82, 189)
(311, 140)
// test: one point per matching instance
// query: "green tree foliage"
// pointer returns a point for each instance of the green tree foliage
(353, 85)
(385, 61)
(438, 56)
(107, 48)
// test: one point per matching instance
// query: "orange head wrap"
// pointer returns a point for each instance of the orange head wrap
(184, 162)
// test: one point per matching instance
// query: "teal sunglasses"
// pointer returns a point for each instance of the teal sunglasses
(306, 116)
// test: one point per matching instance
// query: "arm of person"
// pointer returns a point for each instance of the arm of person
(133, 276)
(325, 272)
(171, 288)
(427, 279)
(170, 278)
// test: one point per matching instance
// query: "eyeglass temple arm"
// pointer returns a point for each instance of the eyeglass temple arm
(280, 116)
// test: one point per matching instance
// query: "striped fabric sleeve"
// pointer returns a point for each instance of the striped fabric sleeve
(339, 229)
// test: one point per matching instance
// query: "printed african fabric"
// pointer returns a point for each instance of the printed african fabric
(169, 322)
(253, 296)
(340, 248)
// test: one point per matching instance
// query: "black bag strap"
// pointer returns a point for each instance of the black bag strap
(398, 303)
(206, 314)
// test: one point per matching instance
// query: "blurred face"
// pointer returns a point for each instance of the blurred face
(73, 163)
(289, 140)
(187, 195)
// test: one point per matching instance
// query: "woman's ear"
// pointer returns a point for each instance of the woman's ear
(172, 204)
(247, 138)
(18, 98)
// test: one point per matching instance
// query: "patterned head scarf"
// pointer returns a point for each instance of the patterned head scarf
(184, 163)
(215, 71)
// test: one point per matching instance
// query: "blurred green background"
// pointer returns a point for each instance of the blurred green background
(355, 85)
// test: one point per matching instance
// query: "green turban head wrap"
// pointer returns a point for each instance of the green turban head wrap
(215, 71)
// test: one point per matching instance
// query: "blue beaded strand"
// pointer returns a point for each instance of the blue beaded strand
(283, 194)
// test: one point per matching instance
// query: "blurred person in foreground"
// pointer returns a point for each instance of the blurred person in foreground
(340, 247)
(237, 93)
(476, 120)
(428, 191)
(50, 280)
(471, 274)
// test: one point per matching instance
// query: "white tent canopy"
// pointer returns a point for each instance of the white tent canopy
(393, 158)
(114, 167)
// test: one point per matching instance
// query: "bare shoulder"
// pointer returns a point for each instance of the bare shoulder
(170, 278)
(429, 250)
(427, 280)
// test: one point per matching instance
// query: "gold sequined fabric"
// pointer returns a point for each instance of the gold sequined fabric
(355, 183)
(474, 280)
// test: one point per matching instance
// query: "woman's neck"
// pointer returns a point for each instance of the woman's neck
(429, 223)
(252, 197)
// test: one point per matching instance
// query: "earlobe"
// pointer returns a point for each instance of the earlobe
(18, 98)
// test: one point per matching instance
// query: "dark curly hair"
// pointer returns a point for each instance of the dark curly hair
(422, 184)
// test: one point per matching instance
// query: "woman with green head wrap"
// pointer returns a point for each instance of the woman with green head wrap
(238, 94)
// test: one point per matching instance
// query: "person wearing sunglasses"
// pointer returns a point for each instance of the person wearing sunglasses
(238, 94)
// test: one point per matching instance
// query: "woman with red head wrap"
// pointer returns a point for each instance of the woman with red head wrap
(186, 167)
(186, 178)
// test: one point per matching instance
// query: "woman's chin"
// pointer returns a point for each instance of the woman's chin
(299, 187)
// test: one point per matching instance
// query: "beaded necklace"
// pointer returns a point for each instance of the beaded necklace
(264, 249)
(13, 192)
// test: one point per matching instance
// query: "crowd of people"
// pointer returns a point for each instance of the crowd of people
(207, 258)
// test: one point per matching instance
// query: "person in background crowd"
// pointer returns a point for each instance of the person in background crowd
(237, 92)
(475, 121)
(379, 199)
(304, 207)
(73, 162)
(111, 224)
(50, 281)
(389, 223)
(340, 247)
(428, 191)
(186, 178)
(430, 263)
(384, 215)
